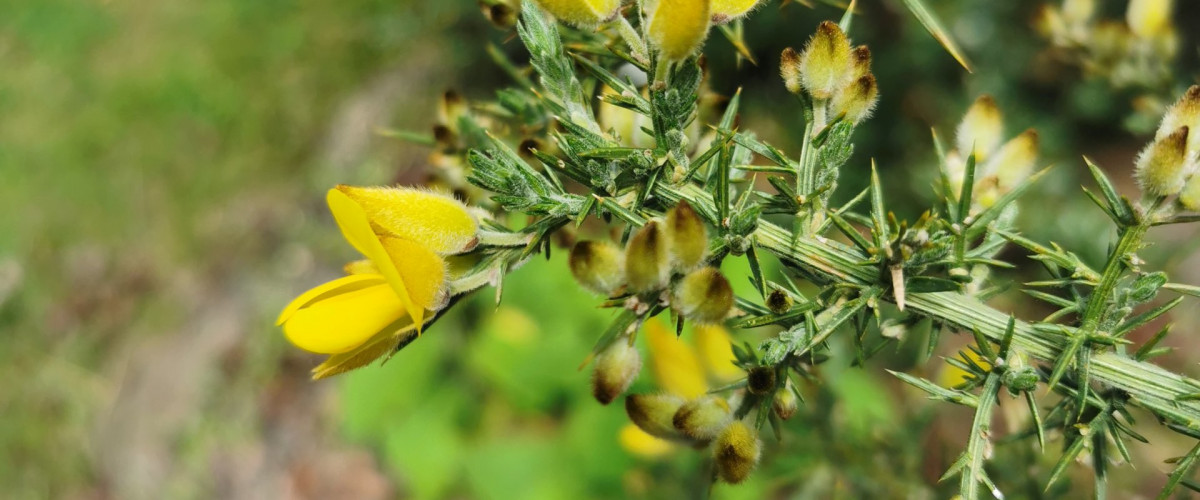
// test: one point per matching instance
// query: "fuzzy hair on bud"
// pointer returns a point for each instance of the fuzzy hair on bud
(647, 263)
(760, 380)
(678, 27)
(982, 128)
(688, 237)
(581, 13)
(857, 100)
(616, 368)
(654, 413)
(1184, 113)
(789, 69)
(1148, 18)
(1161, 168)
(1190, 196)
(704, 296)
(736, 452)
(860, 60)
(724, 11)
(778, 301)
(598, 266)
(785, 403)
(1014, 161)
(702, 419)
(825, 65)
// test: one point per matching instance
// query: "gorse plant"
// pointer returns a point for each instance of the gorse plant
(611, 131)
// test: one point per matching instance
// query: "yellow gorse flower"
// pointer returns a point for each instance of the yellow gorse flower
(678, 27)
(403, 233)
(582, 13)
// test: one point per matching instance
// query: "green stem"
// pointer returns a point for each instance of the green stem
(977, 443)
(633, 39)
(1131, 240)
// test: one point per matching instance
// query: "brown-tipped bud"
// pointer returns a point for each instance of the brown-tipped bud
(688, 237)
(825, 64)
(789, 69)
(1148, 18)
(501, 15)
(1162, 166)
(702, 419)
(654, 413)
(647, 264)
(1190, 196)
(598, 265)
(760, 380)
(1184, 113)
(858, 99)
(1014, 161)
(704, 296)
(778, 301)
(785, 404)
(736, 452)
(616, 368)
(860, 59)
(982, 128)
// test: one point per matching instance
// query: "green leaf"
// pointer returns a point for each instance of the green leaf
(931, 23)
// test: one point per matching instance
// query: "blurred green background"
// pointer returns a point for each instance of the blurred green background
(162, 170)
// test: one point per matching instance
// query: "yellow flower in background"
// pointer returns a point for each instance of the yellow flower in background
(581, 13)
(403, 233)
(951, 375)
(678, 27)
(1148, 18)
(728, 10)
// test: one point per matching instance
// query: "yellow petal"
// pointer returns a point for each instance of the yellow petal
(582, 13)
(678, 27)
(1148, 17)
(675, 365)
(716, 352)
(422, 271)
(437, 221)
(356, 228)
(638, 442)
(725, 10)
(344, 322)
(363, 266)
(336, 287)
(952, 375)
(381, 344)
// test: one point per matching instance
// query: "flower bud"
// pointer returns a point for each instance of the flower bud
(825, 64)
(688, 237)
(1148, 18)
(598, 266)
(761, 380)
(678, 27)
(858, 99)
(501, 15)
(646, 261)
(1184, 113)
(779, 302)
(724, 11)
(785, 403)
(654, 413)
(789, 69)
(736, 452)
(581, 13)
(704, 296)
(1190, 196)
(703, 418)
(438, 221)
(982, 128)
(1020, 379)
(860, 60)
(1014, 161)
(616, 368)
(1161, 167)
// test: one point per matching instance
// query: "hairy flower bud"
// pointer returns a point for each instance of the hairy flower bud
(703, 418)
(616, 368)
(687, 235)
(1190, 196)
(654, 413)
(982, 128)
(857, 100)
(704, 296)
(860, 60)
(785, 404)
(825, 65)
(647, 264)
(1162, 167)
(736, 452)
(1184, 113)
(724, 11)
(761, 380)
(678, 27)
(1148, 18)
(581, 13)
(778, 301)
(598, 266)
(1014, 161)
(789, 69)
